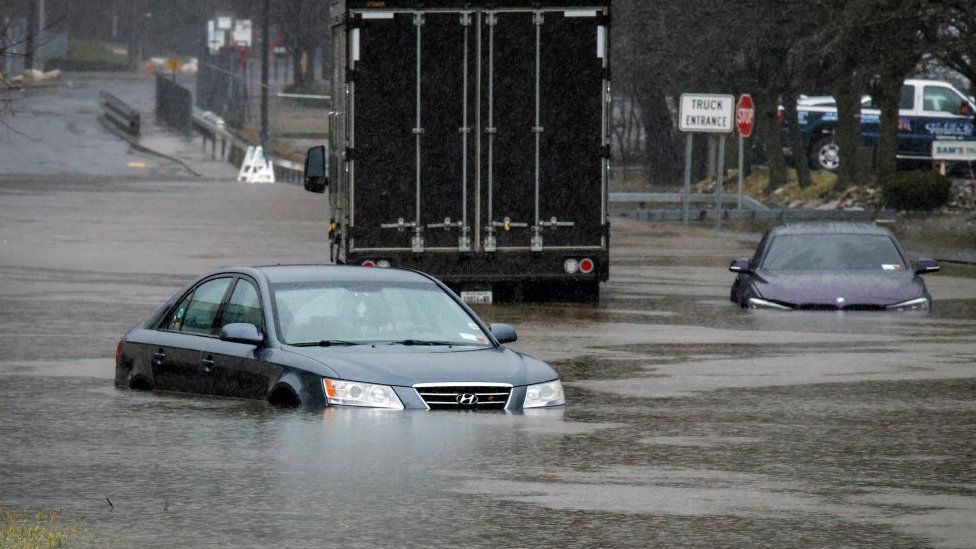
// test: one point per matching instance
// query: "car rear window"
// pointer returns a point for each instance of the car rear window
(833, 252)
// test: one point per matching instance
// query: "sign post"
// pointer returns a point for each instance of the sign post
(745, 119)
(705, 113)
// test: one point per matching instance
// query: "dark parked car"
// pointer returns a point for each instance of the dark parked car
(330, 335)
(830, 267)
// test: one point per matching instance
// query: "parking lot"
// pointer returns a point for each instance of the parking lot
(690, 422)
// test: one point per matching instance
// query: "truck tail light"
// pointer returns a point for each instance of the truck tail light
(586, 265)
(368, 263)
(383, 263)
(118, 351)
(570, 266)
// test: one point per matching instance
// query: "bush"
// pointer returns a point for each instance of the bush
(919, 190)
(87, 55)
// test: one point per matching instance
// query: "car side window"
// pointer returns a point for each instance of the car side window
(244, 306)
(175, 322)
(907, 101)
(940, 99)
(202, 308)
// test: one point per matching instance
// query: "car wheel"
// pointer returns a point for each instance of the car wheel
(825, 154)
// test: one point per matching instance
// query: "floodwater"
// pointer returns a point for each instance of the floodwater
(690, 422)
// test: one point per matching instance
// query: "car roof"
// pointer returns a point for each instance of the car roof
(285, 274)
(830, 227)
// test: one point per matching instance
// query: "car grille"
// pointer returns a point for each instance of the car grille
(829, 307)
(464, 396)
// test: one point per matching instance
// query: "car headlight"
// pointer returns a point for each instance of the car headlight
(756, 303)
(544, 394)
(920, 304)
(352, 393)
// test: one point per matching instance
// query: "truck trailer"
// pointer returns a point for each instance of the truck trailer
(470, 140)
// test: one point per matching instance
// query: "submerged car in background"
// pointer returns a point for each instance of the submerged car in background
(831, 267)
(332, 336)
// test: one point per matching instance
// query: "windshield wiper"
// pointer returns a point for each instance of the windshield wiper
(422, 342)
(327, 343)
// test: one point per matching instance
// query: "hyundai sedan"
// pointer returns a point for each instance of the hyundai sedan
(332, 336)
(831, 266)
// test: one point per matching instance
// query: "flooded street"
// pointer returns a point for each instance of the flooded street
(690, 422)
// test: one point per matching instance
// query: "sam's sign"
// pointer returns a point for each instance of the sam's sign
(964, 151)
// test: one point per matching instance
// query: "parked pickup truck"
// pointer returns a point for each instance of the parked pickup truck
(930, 110)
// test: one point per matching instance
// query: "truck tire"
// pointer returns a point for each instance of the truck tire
(824, 154)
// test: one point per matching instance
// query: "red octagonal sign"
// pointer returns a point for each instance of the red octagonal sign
(745, 115)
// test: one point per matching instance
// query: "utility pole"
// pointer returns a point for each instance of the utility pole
(265, 43)
(30, 43)
(133, 30)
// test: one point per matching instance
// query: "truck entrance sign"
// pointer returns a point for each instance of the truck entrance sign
(745, 115)
(706, 112)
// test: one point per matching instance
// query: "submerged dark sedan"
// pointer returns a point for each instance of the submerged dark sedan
(831, 266)
(332, 336)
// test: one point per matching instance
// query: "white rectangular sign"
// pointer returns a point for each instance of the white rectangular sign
(954, 150)
(706, 112)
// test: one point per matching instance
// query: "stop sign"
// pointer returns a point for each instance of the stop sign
(745, 115)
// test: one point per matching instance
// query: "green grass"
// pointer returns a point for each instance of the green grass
(88, 55)
(23, 530)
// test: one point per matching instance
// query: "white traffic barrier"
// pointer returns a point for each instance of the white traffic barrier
(256, 168)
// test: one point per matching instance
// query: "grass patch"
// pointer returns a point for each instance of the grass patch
(23, 530)
(756, 183)
(88, 55)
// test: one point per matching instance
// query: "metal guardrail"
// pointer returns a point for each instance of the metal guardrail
(233, 148)
(695, 198)
(174, 104)
(120, 114)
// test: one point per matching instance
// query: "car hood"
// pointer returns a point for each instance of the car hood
(406, 366)
(826, 288)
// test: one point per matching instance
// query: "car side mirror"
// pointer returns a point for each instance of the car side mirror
(504, 333)
(926, 265)
(313, 175)
(241, 332)
(740, 265)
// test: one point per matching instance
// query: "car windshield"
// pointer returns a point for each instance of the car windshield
(833, 252)
(344, 313)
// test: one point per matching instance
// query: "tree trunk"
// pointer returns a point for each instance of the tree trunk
(848, 133)
(800, 160)
(663, 164)
(889, 97)
(767, 109)
(298, 77)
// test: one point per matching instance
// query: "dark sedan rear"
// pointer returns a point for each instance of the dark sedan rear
(831, 266)
(332, 336)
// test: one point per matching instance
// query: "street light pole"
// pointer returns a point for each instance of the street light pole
(265, 42)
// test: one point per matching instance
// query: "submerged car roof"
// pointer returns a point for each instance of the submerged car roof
(284, 274)
(829, 227)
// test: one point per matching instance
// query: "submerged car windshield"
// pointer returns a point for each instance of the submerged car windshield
(833, 252)
(349, 313)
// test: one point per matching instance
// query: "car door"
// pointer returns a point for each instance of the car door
(945, 116)
(188, 330)
(238, 368)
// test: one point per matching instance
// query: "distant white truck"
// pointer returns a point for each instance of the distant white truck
(930, 110)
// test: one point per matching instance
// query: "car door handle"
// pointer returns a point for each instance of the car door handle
(207, 363)
(159, 355)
